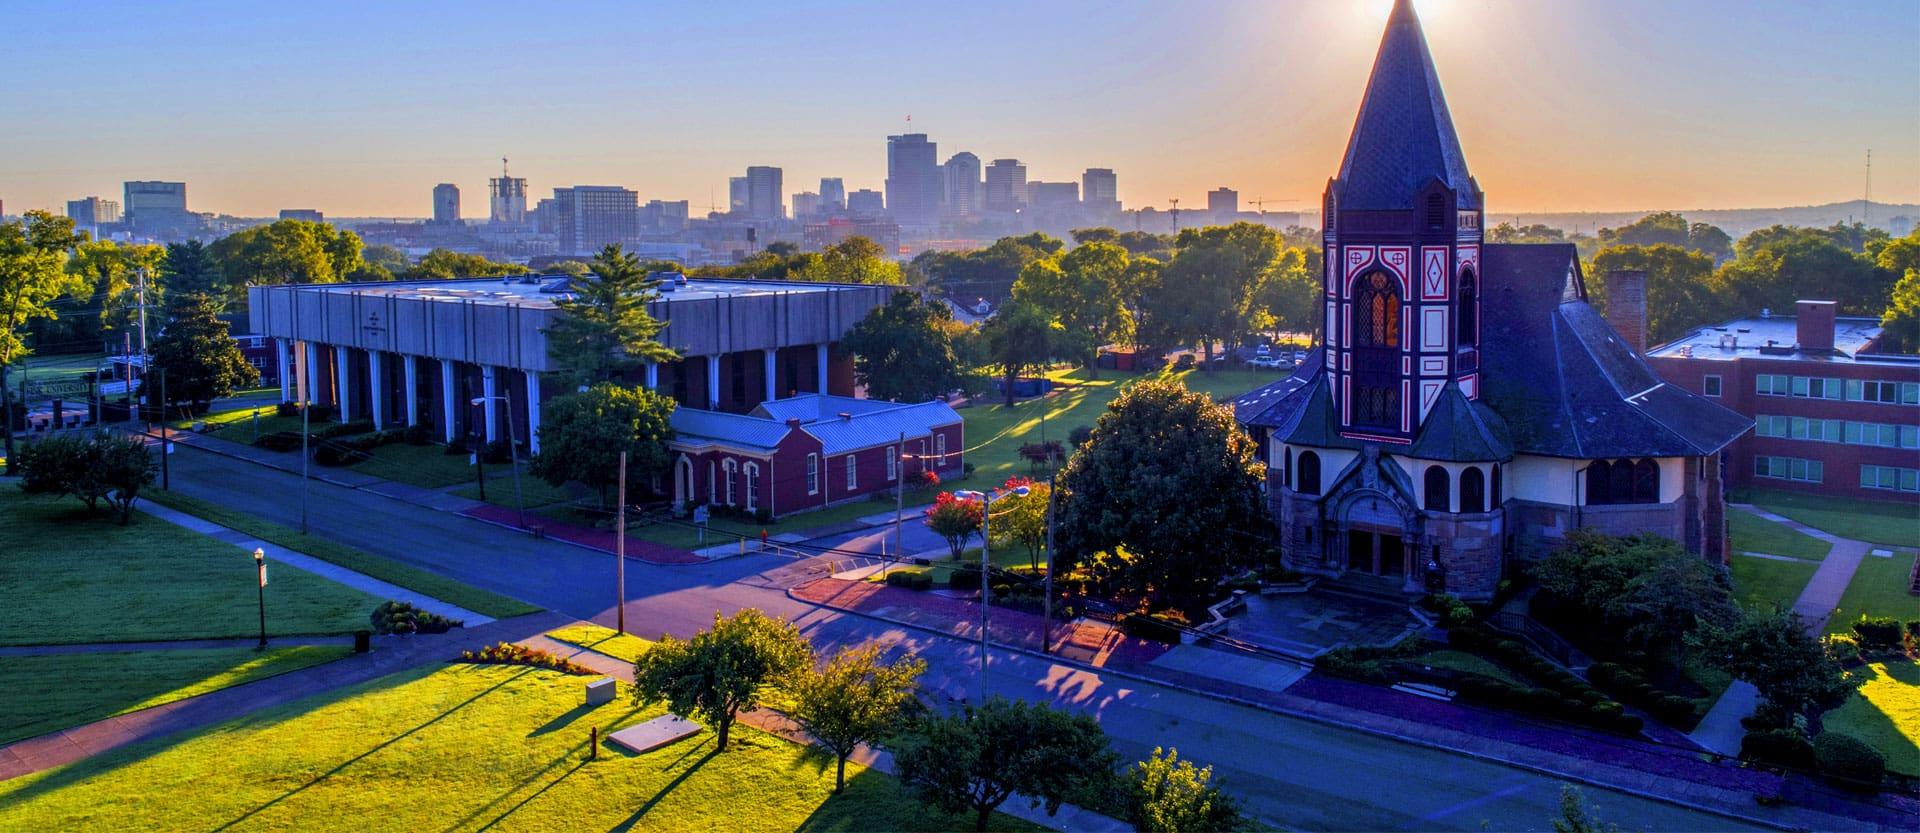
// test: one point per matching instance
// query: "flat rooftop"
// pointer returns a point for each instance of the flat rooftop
(517, 291)
(1748, 338)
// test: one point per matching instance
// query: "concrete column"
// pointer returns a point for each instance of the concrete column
(820, 360)
(280, 358)
(713, 383)
(447, 399)
(343, 373)
(411, 366)
(309, 384)
(653, 376)
(533, 412)
(766, 361)
(376, 389)
(488, 390)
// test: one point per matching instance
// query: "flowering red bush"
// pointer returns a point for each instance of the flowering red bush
(954, 519)
(929, 477)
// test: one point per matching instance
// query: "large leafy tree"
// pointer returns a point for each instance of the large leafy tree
(1678, 297)
(984, 273)
(1169, 795)
(1021, 520)
(854, 260)
(1666, 228)
(1019, 337)
(719, 673)
(286, 251)
(1086, 290)
(201, 360)
(605, 328)
(954, 519)
(90, 468)
(582, 435)
(903, 351)
(1777, 266)
(1207, 294)
(1774, 652)
(978, 759)
(111, 273)
(1901, 321)
(1169, 476)
(33, 256)
(441, 264)
(1643, 587)
(856, 698)
(1290, 296)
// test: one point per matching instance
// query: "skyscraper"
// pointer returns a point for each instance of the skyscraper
(446, 204)
(1223, 202)
(508, 200)
(1006, 186)
(93, 212)
(913, 179)
(765, 199)
(1053, 197)
(587, 218)
(866, 202)
(736, 194)
(806, 204)
(157, 208)
(1100, 191)
(833, 194)
(963, 188)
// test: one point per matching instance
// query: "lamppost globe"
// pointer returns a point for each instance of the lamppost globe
(259, 555)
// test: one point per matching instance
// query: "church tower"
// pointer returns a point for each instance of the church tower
(1402, 236)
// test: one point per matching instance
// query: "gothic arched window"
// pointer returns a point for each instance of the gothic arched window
(1376, 355)
(1473, 491)
(1376, 311)
(1646, 481)
(1437, 498)
(1307, 475)
(1467, 333)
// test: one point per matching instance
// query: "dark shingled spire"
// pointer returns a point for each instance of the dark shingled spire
(1404, 136)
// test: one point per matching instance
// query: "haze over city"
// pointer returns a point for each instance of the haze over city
(358, 109)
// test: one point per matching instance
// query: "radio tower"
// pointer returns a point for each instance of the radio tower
(1866, 201)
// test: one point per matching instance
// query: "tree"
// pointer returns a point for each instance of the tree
(1207, 293)
(1021, 520)
(441, 264)
(855, 699)
(984, 273)
(1773, 651)
(1086, 290)
(1643, 587)
(1777, 266)
(854, 260)
(122, 467)
(1021, 336)
(33, 255)
(605, 329)
(1901, 321)
(721, 672)
(1169, 795)
(1291, 295)
(1171, 477)
(111, 272)
(284, 252)
(1678, 298)
(903, 351)
(188, 269)
(1578, 816)
(201, 361)
(582, 435)
(977, 760)
(1536, 233)
(955, 519)
(1661, 227)
(90, 468)
(386, 258)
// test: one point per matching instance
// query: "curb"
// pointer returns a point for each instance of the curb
(1325, 720)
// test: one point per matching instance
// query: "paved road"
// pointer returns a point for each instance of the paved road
(1294, 773)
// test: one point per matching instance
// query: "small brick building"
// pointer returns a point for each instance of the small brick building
(1831, 413)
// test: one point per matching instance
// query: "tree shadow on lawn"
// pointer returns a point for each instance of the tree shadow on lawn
(641, 813)
(1870, 721)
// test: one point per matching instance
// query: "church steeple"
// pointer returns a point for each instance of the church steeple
(1403, 138)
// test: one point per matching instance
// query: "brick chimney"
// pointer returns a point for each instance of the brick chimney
(1813, 325)
(1627, 306)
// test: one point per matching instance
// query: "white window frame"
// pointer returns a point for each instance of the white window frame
(853, 472)
(729, 468)
(893, 463)
(940, 448)
(1710, 385)
(753, 486)
(813, 474)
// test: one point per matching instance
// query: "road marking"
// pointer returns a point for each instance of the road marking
(1519, 786)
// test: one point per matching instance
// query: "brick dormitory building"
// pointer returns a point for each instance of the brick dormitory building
(1831, 412)
(767, 417)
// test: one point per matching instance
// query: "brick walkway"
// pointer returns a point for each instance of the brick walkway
(597, 539)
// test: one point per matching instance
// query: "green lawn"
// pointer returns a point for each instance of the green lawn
(456, 748)
(238, 425)
(63, 366)
(41, 694)
(1886, 714)
(720, 530)
(412, 578)
(1878, 588)
(602, 640)
(1469, 664)
(1752, 533)
(1006, 558)
(1763, 583)
(1882, 522)
(73, 577)
(431, 467)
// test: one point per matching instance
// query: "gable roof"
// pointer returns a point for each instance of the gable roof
(808, 407)
(733, 429)
(867, 423)
(1403, 137)
(880, 427)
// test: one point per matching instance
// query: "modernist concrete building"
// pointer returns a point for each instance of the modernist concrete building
(1831, 414)
(1467, 406)
(419, 353)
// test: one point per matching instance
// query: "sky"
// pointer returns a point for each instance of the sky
(358, 109)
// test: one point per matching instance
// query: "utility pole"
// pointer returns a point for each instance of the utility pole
(1176, 215)
(899, 502)
(142, 273)
(620, 549)
(165, 449)
(1046, 619)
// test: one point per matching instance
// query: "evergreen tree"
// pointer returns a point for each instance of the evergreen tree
(201, 360)
(605, 329)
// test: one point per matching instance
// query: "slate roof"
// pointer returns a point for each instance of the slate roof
(1403, 137)
(1252, 403)
(1458, 430)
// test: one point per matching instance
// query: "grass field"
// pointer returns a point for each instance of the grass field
(1752, 533)
(1894, 522)
(603, 640)
(1469, 664)
(61, 366)
(41, 694)
(1764, 584)
(412, 578)
(1878, 588)
(1886, 714)
(72, 577)
(238, 425)
(457, 748)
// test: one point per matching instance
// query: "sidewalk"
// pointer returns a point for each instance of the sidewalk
(172, 645)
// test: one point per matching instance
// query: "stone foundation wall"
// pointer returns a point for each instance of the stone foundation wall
(1471, 549)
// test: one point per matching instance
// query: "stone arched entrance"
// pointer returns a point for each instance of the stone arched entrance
(1376, 535)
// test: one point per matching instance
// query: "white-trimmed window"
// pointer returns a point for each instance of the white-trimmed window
(853, 472)
(1890, 478)
(1889, 393)
(730, 468)
(753, 486)
(1789, 468)
(1710, 385)
(893, 463)
(813, 474)
(940, 448)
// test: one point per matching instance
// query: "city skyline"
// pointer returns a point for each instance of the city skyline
(1581, 107)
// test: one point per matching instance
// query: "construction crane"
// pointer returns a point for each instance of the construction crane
(1260, 205)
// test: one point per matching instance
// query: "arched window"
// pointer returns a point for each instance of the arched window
(1620, 482)
(1437, 498)
(1376, 310)
(729, 469)
(1309, 475)
(753, 486)
(1467, 333)
(1623, 481)
(1286, 470)
(1496, 487)
(1646, 482)
(1473, 491)
(1376, 355)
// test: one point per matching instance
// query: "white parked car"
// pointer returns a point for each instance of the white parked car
(1266, 362)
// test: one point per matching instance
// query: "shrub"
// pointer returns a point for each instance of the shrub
(282, 441)
(319, 413)
(1844, 759)
(910, 579)
(964, 578)
(1878, 633)
(505, 653)
(287, 409)
(929, 478)
(1778, 747)
(1080, 435)
(1152, 628)
(415, 435)
(334, 454)
(403, 618)
(1843, 647)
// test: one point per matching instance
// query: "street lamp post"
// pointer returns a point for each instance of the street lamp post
(986, 566)
(260, 567)
(513, 453)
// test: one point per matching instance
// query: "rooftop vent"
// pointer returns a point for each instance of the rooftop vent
(1766, 312)
(557, 286)
(1743, 329)
(846, 416)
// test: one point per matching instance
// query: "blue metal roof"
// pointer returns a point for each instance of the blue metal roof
(733, 429)
(1404, 135)
(808, 407)
(867, 423)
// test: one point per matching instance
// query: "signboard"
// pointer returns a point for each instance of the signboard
(700, 515)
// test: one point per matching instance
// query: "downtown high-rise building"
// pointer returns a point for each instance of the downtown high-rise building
(446, 204)
(806, 205)
(507, 200)
(92, 212)
(1006, 188)
(587, 218)
(157, 209)
(1223, 202)
(736, 195)
(1054, 198)
(765, 199)
(833, 194)
(866, 202)
(962, 186)
(913, 179)
(1100, 192)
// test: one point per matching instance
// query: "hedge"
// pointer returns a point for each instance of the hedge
(1547, 703)
(964, 578)
(1780, 747)
(1148, 627)
(1845, 760)
(910, 579)
(1879, 633)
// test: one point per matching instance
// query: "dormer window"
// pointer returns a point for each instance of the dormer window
(1436, 212)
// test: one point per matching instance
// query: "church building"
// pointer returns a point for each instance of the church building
(1466, 407)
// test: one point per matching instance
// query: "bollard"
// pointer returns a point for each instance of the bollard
(362, 641)
(593, 744)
